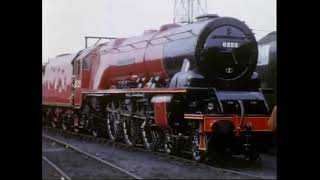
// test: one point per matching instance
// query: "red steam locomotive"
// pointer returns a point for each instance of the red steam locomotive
(180, 87)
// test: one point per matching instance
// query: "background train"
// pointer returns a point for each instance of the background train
(182, 87)
(267, 66)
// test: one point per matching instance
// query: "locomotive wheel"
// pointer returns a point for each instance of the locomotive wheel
(64, 126)
(150, 137)
(130, 131)
(113, 121)
(168, 142)
(44, 119)
(91, 126)
(250, 151)
(215, 152)
(197, 155)
(96, 131)
(130, 127)
(252, 156)
(53, 124)
(76, 123)
(52, 119)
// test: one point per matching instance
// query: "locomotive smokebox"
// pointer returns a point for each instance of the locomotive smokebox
(227, 51)
(222, 52)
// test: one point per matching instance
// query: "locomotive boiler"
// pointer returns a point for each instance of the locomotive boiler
(182, 87)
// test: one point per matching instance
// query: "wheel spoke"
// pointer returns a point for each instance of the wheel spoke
(150, 136)
(168, 142)
(64, 126)
(113, 122)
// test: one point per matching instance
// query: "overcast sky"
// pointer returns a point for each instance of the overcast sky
(66, 22)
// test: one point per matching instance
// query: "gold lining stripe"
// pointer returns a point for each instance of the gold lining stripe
(192, 117)
(196, 115)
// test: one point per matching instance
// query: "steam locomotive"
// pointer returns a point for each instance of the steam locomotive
(182, 87)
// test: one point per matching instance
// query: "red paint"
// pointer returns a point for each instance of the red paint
(203, 143)
(160, 110)
(143, 61)
(57, 81)
(209, 121)
(258, 123)
(77, 87)
(107, 66)
(85, 79)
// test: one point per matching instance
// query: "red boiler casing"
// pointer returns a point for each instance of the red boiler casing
(126, 57)
(57, 81)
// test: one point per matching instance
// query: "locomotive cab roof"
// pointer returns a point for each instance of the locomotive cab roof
(61, 59)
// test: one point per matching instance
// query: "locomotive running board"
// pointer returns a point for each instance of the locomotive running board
(136, 90)
(202, 116)
(194, 116)
(57, 104)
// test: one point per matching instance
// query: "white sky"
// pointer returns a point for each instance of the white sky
(66, 22)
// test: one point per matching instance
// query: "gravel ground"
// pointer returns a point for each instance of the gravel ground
(48, 172)
(76, 165)
(148, 165)
(266, 167)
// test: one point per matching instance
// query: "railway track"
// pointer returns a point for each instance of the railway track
(56, 168)
(85, 156)
(160, 154)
